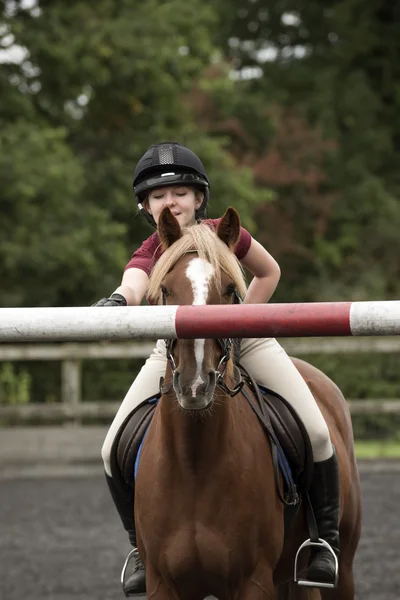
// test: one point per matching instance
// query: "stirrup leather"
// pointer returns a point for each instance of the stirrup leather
(319, 584)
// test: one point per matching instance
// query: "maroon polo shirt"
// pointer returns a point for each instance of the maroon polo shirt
(147, 255)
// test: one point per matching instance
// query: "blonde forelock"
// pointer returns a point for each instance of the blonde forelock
(204, 241)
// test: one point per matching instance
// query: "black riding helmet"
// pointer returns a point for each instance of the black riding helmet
(165, 164)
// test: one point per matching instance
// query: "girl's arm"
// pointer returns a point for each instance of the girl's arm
(266, 273)
(133, 286)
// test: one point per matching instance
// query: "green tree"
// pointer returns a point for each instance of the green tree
(98, 84)
(14, 385)
(332, 68)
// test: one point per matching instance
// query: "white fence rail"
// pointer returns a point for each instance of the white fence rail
(70, 355)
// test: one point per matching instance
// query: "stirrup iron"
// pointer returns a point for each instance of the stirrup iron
(133, 552)
(307, 582)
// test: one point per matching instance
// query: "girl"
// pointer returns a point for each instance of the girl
(170, 174)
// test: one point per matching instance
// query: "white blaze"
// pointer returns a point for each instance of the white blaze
(199, 272)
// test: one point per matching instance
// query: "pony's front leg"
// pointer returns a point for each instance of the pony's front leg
(292, 591)
(157, 588)
(260, 586)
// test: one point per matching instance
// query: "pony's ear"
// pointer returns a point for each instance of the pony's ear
(228, 229)
(169, 229)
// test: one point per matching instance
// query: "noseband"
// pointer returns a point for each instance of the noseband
(226, 347)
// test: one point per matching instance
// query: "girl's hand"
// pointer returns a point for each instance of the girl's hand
(113, 300)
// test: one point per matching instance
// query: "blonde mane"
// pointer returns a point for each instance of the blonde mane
(204, 241)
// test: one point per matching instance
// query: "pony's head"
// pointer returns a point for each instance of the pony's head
(197, 267)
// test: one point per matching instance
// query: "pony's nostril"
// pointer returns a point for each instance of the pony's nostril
(176, 380)
(211, 381)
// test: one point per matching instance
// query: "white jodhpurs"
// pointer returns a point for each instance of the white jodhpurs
(270, 366)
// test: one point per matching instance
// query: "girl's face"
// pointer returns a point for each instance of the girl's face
(181, 200)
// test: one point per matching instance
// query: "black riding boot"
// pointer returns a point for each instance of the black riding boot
(324, 496)
(135, 582)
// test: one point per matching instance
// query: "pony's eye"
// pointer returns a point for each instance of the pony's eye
(164, 291)
(230, 290)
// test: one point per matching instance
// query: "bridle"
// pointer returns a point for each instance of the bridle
(226, 347)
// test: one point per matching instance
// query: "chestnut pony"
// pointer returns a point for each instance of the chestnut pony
(208, 518)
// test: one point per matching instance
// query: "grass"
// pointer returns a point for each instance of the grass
(377, 449)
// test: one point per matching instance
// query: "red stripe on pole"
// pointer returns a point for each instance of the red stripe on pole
(271, 320)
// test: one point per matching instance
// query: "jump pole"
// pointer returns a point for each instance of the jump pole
(210, 321)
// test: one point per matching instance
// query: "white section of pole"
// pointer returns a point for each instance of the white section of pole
(375, 318)
(86, 323)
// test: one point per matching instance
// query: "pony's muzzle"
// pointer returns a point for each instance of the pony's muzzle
(195, 394)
